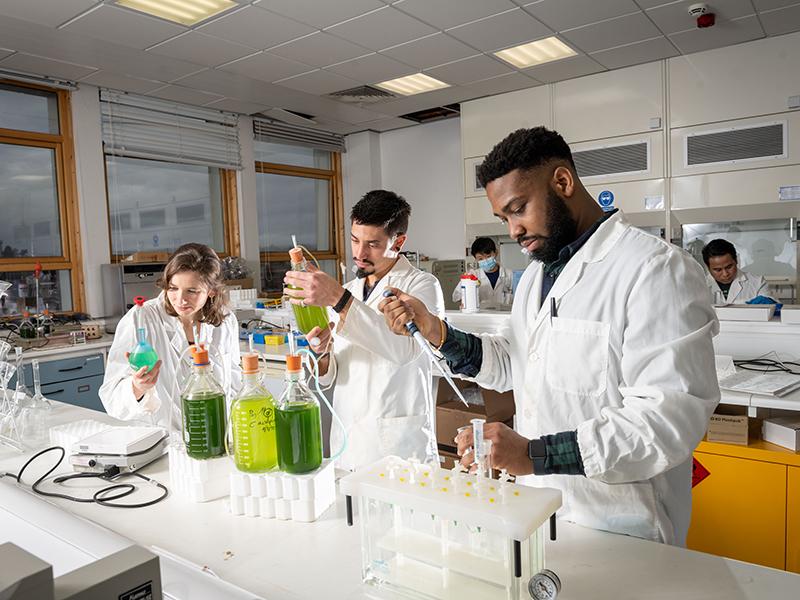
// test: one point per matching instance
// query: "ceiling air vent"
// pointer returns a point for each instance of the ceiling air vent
(436, 113)
(362, 94)
(612, 160)
(735, 144)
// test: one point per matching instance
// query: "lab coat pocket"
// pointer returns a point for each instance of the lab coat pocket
(577, 356)
(404, 436)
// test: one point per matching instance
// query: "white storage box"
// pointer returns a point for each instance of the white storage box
(745, 312)
(783, 431)
(790, 314)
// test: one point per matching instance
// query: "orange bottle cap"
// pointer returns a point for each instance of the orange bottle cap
(200, 355)
(293, 363)
(296, 255)
(250, 363)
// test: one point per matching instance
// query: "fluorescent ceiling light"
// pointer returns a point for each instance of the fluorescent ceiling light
(185, 12)
(536, 53)
(413, 84)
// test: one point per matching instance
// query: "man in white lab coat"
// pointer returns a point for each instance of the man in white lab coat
(496, 282)
(608, 350)
(726, 278)
(383, 390)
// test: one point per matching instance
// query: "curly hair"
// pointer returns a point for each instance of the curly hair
(204, 262)
(382, 208)
(524, 149)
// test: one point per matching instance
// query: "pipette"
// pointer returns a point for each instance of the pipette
(426, 348)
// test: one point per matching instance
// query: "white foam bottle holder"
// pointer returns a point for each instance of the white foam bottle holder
(277, 495)
(198, 480)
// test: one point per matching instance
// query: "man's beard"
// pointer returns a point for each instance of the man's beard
(562, 230)
(361, 273)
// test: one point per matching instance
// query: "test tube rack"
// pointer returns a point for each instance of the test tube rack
(284, 496)
(444, 534)
(198, 480)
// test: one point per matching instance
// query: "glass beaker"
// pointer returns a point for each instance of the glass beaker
(143, 354)
(298, 424)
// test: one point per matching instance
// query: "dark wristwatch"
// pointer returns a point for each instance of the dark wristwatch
(339, 306)
(537, 452)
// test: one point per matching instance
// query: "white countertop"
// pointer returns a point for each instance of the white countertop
(287, 560)
(49, 349)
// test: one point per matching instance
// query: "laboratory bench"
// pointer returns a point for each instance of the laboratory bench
(288, 560)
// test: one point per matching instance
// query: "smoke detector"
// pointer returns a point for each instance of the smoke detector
(702, 13)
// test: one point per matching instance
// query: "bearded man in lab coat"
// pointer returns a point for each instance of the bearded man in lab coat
(608, 350)
(383, 392)
(724, 276)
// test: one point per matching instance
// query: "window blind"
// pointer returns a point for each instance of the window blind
(283, 133)
(142, 127)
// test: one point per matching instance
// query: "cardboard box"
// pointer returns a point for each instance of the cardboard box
(447, 457)
(735, 429)
(452, 414)
(783, 431)
(239, 284)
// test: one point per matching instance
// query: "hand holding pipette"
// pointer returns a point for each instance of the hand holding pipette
(414, 331)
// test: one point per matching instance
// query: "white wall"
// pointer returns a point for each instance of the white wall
(361, 172)
(423, 164)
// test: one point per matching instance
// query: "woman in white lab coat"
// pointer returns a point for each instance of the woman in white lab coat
(495, 281)
(727, 283)
(191, 305)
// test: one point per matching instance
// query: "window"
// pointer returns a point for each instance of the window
(38, 200)
(170, 175)
(298, 192)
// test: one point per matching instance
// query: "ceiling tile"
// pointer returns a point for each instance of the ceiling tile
(406, 104)
(568, 68)
(4, 52)
(724, 33)
(501, 31)
(266, 67)
(444, 14)
(237, 106)
(645, 4)
(381, 29)
(634, 54)
(320, 50)
(674, 17)
(431, 51)
(468, 70)
(44, 12)
(561, 15)
(762, 5)
(319, 82)
(121, 82)
(256, 28)
(388, 124)
(497, 85)
(785, 20)
(321, 14)
(372, 69)
(45, 66)
(202, 49)
(125, 27)
(186, 95)
(611, 33)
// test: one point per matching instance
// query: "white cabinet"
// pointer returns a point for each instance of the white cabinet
(610, 104)
(734, 82)
(486, 121)
(643, 202)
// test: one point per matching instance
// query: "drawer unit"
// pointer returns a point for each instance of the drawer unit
(80, 392)
(73, 380)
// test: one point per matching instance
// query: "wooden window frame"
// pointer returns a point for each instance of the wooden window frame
(66, 190)
(230, 211)
(335, 205)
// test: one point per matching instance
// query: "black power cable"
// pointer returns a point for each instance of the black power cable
(767, 365)
(101, 497)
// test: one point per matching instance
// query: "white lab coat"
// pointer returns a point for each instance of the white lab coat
(498, 297)
(745, 287)
(383, 390)
(165, 333)
(628, 362)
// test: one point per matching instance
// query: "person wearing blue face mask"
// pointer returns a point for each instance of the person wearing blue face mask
(495, 281)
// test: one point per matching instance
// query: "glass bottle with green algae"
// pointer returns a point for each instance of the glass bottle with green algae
(253, 422)
(143, 354)
(297, 423)
(307, 317)
(203, 410)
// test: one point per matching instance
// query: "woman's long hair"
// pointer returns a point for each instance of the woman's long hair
(204, 262)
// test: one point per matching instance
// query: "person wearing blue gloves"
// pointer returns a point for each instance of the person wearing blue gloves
(727, 283)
